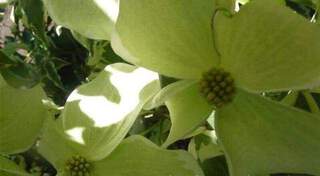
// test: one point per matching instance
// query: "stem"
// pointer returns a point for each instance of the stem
(291, 98)
(150, 129)
(316, 90)
(311, 102)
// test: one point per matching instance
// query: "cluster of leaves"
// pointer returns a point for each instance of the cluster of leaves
(111, 87)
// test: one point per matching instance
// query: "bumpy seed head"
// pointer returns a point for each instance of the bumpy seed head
(78, 166)
(217, 86)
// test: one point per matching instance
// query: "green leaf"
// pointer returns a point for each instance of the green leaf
(20, 76)
(98, 115)
(15, 71)
(34, 17)
(93, 19)
(188, 109)
(308, 3)
(103, 53)
(260, 136)
(138, 156)
(3, 3)
(268, 47)
(208, 145)
(52, 73)
(21, 117)
(173, 38)
(205, 146)
(9, 168)
(84, 41)
(5, 59)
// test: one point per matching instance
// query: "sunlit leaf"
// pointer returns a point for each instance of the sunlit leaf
(268, 47)
(138, 156)
(98, 115)
(173, 38)
(92, 18)
(21, 116)
(260, 136)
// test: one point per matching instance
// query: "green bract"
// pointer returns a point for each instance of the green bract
(95, 120)
(98, 115)
(262, 136)
(21, 116)
(92, 18)
(266, 47)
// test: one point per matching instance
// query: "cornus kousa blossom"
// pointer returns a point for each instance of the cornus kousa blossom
(223, 60)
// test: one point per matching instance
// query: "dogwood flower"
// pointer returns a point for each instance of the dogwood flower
(224, 59)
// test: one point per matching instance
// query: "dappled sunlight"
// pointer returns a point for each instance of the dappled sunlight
(76, 134)
(104, 112)
(99, 114)
(109, 7)
(98, 109)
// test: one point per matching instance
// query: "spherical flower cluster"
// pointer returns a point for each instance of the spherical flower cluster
(217, 86)
(78, 166)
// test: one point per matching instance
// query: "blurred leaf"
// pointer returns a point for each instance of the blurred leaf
(18, 73)
(8, 54)
(216, 166)
(21, 116)
(20, 76)
(9, 168)
(93, 19)
(4, 59)
(309, 3)
(291, 98)
(34, 17)
(59, 63)
(52, 74)
(84, 41)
